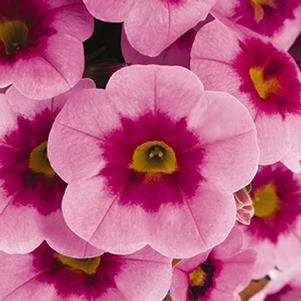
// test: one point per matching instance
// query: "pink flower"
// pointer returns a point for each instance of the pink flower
(152, 26)
(265, 79)
(214, 276)
(280, 20)
(45, 274)
(153, 159)
(285, 287)
(275, 229)
(30, 191)
(177, 53)
(40, 43)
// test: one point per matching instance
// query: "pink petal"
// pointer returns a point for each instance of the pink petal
(24, 106)
(189, 264)
(179, 286)
(232, 245)
(20, 230)
(266, 259)
(273, 137)
(33, 290)
(110, 10)
(211, 61)
(62, 239)
(81, 135)
(177, 53)
(18, 104)
(292, 161)
(63, 18)
(236, 271)
(285, 37)
(5, 75)
(99, 222)
(152, 274)
(7, 117)
(47, 72)
(171, 20)
(155, 88)
(225, 143)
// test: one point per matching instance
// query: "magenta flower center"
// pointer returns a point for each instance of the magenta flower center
(152, 160)
(269, 77)
(88, 266)
(13, 35)
(85, 279)
(25, 169)
(276, 199)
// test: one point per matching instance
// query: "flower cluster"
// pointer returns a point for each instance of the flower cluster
(170, 172)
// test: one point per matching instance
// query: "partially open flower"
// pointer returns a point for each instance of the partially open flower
(40, 43)
(153, 159)
(214, 276)
(30, 191)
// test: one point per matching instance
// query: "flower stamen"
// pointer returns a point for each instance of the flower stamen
(38, 160)
(13, 35)
(265, 87)
(87, 265)
(258, 6)
(154, 157)
(197, 277)
(266, 201)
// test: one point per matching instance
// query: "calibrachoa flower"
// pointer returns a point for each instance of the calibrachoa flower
(218, 275)
(275, 229)
(152, 26)
(279, 20)
(286, 287)
(30, 191)
(41, 43)
(177, 53)
(153, 159)
(45, 274)
(265, 79)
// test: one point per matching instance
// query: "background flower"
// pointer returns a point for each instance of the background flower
(154, 25)
(216, 275)
(41, 51)
(265, 79)
(45, 274)
(279, 20)
(275, 228)
(31, 193)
